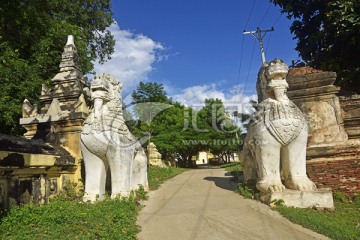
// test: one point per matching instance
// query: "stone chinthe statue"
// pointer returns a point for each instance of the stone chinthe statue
(106, 142)
(276, 139)
(274, 153)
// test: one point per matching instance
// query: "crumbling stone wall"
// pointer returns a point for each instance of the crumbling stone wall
(314, 93)
(333, 152)
(350, 107)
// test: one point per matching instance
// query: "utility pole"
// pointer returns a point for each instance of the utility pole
(259, 36)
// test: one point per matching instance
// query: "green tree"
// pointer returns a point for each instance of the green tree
(175, 135)
(13, 88)
(32, 37)
(224, 133)
(245, 118)
(327, 34)
(164, 122)
(180, 132)
(149, 99)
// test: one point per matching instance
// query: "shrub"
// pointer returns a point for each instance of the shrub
(246, 190)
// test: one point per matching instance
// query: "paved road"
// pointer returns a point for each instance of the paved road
(200, 204)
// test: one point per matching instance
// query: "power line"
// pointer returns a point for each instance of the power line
(242, 48)
(277, 20)
(274, 24)
(267, 45)
(252, 8)
(267, 11)
(248, 74)
(241, 54)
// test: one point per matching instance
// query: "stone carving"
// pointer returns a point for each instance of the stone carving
(64, 101)
(63, 112)
(29, 110)
(275, 145)
(106, 142)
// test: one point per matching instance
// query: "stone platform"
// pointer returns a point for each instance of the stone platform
(319, 198)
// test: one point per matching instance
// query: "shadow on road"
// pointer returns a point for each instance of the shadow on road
(223, 182)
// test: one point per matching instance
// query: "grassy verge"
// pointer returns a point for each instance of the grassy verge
(233, 168)
(158, 175)
(246, 190)
(68, 217)
(65, 219)
(341, 224)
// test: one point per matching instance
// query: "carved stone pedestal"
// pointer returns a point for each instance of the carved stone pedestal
(300, 199)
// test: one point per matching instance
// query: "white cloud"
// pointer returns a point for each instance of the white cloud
(165, 57)
(234, 99)
(196, 95)
(132, 59)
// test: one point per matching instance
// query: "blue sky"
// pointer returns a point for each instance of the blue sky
(195, 47)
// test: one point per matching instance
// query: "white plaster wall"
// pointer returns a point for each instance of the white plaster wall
(202, 156)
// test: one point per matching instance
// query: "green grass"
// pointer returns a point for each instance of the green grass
(234, 168)
(246, 190)
(157, 175)
(68, 217)
(341, 224)
(61, 219)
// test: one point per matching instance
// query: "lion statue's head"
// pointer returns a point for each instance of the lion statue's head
(269, 71)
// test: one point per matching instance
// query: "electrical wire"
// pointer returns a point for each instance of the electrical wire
(267, 44)
(267, 11)
(248, 74)
(269, 38)
(277, 20)
(240, 63)
(242, 49)
(252, 8)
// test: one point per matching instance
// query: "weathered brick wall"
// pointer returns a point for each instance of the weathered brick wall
(333, 151)
(340, 176)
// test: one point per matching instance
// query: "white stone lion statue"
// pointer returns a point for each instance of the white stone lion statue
(106, 142)
(275, 146)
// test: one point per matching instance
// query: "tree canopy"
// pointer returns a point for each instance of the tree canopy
(150, 98)
(181, 132)
(327, 34)
(224, 133)
(32, 36)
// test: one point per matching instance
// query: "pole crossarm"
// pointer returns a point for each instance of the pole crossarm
(259, 35)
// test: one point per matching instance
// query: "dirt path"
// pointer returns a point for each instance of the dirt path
(200, 204)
